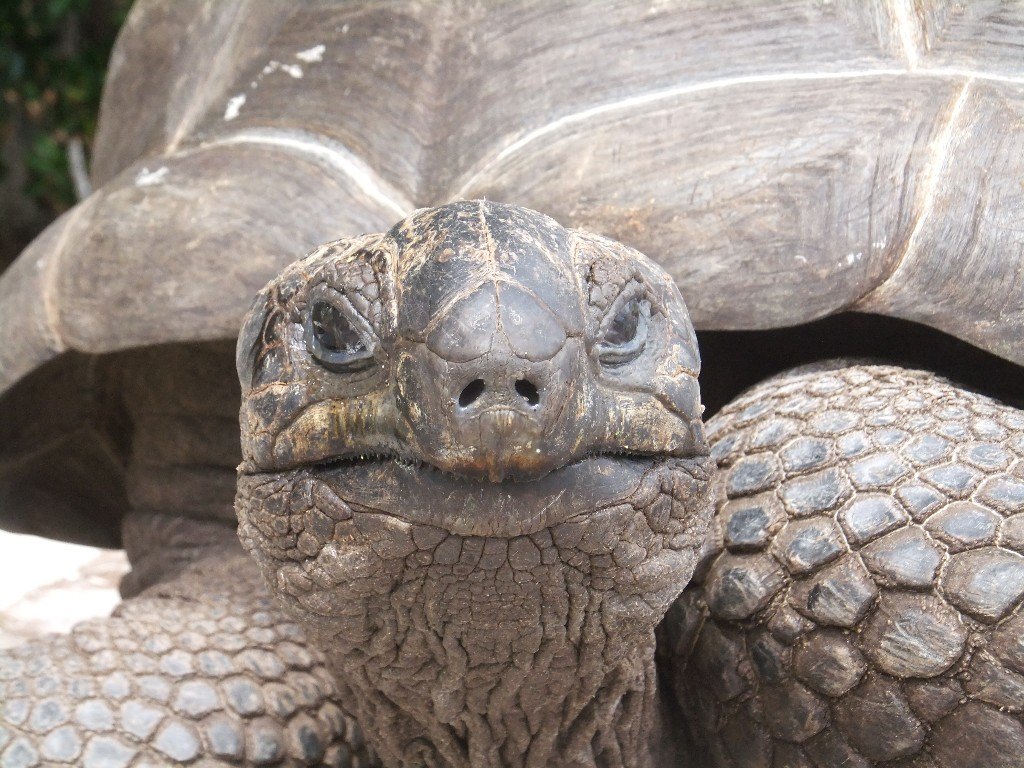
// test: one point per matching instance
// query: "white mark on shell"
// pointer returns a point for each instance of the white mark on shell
(800, 258)
(853, 258)
(148, 178)
(234, 106)
(292, 69)
(312, 55)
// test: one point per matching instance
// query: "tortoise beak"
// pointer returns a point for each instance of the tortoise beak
(508, 443)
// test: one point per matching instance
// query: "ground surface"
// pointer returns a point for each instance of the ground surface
(47, 586)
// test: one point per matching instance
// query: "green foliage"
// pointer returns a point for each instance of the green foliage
(53, 55)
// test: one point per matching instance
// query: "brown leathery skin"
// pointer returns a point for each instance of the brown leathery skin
(499, 270)
(860, 604)
(461, 650)
(479, 479)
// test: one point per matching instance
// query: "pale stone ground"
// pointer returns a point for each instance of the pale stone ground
(47, 586)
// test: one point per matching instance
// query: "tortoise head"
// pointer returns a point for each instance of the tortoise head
(479, 339)
(474, 443)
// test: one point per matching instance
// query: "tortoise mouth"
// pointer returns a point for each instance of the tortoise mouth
(419, 464)
(418, 493)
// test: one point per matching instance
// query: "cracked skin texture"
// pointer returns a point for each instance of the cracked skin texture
(486, 650)
(859, 603)
(425, 593)
(833, 619)
(484, 572)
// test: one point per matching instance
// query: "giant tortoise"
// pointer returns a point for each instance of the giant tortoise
(485, 524)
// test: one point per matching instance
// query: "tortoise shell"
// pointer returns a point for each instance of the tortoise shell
(782, 161)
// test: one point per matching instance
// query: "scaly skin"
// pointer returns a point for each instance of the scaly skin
(486, 650)
(484, 567)
(202, 670)
(775, 688)
(474, 471)
(862, 605)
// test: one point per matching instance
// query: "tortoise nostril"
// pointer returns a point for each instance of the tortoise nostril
(469, 395)
(528, 391)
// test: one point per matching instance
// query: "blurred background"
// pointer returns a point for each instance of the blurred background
(53, 55)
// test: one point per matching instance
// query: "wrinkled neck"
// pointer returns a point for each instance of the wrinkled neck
(462, 650)
(507, 667)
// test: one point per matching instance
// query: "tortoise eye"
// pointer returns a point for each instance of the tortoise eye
(624, 332)
(335, 341)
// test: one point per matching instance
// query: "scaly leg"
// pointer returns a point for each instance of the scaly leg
(862, 604)
(203, 670)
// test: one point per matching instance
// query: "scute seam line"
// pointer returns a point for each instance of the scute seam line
(485, 166)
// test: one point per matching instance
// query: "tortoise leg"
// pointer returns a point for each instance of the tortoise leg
(862, 603)
(204, 669)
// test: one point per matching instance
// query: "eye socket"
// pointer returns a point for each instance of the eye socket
(624, 325)
(335, 341)
(624, 332)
